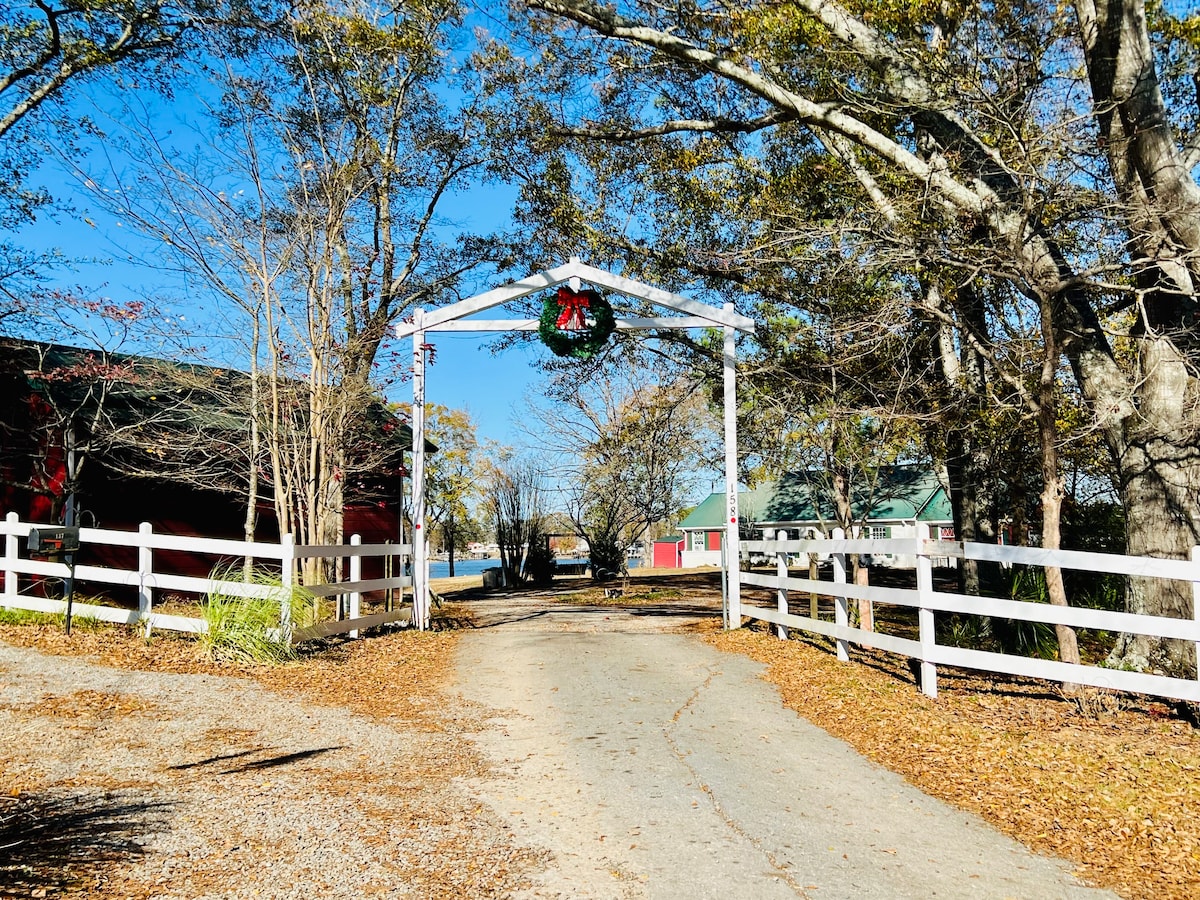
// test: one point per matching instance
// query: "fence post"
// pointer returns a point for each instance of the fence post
(355, 577)
(287, 564)
(145, 574)
(781, 596)
(1195, 601)
(387, 573)
(924, 614)
(11, 551)
(841, 606)
(420, 602)
(814, 573)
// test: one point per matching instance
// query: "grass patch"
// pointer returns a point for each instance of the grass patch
(595, 596)
(85, 622)
(249, 629)
(10, 616)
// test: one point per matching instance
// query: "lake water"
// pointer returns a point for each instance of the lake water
(440, 569)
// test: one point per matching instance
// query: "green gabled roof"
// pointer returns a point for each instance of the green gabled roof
(937, 509)
(899, 493)
(709, 514)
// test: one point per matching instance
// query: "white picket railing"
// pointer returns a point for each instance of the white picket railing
(148, 580)
(927, 601)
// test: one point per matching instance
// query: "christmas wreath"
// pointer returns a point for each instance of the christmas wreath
(563, 326)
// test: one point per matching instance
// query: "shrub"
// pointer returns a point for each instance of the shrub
(247, 629)
(1018, 636)
(607, 558)
(540, 564)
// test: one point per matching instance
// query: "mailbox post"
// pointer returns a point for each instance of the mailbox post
(51, 541)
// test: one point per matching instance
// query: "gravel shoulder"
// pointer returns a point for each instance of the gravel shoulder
(145, 784)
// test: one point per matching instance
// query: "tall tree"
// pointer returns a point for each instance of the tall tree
(312, 214)
(375, 150)
(983, 160)
(628, 453)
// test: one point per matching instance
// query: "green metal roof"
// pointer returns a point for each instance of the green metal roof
(709, 514)
(892, 494)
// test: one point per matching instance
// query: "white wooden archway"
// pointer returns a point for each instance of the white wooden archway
(688, 314)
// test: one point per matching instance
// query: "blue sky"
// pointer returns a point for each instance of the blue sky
(466, 375)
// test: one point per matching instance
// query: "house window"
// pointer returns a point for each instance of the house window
(878, 532)
(697, 540)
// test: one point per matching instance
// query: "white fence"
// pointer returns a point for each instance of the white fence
(927, 601)
(148, 580)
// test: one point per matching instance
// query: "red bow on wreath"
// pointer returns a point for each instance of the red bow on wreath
(573, 304)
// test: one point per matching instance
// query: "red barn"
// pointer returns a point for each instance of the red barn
(149, 440)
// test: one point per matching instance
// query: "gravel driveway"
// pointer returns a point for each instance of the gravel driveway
(197, 786)
(608, 757)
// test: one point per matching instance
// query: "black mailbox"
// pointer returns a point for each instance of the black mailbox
(57, 539)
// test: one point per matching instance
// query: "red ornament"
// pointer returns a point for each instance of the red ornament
(573, 304)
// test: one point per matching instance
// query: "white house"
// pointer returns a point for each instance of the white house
(888, 506)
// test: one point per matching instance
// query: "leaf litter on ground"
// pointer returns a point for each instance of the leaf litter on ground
(1117, 794)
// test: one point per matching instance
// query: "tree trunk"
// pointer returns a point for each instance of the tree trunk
(814, 573)
(250, 522)
(866, 613)
(1052, 487)
(969, 467)
(1160, 479)
(973, 501)
(1156, 451)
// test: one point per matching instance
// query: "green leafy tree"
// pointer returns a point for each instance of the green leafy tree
(452, 477)
(972, 151)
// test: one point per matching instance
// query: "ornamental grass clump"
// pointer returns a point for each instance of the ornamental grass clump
(249, 629)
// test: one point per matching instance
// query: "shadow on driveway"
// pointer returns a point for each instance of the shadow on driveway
(55, 842)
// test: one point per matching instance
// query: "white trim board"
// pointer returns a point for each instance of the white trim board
(695, 313)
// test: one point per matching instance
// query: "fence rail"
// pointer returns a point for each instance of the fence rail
(151, 579)
(927, 601)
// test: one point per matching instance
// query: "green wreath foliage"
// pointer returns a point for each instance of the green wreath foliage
(582, 344)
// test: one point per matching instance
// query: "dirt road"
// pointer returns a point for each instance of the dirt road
(621, 757)
(650, 765)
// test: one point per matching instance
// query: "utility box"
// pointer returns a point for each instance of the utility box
(494, 578)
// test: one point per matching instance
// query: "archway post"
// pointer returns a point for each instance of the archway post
(732, 558)
(689, 314)
(420, 573)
